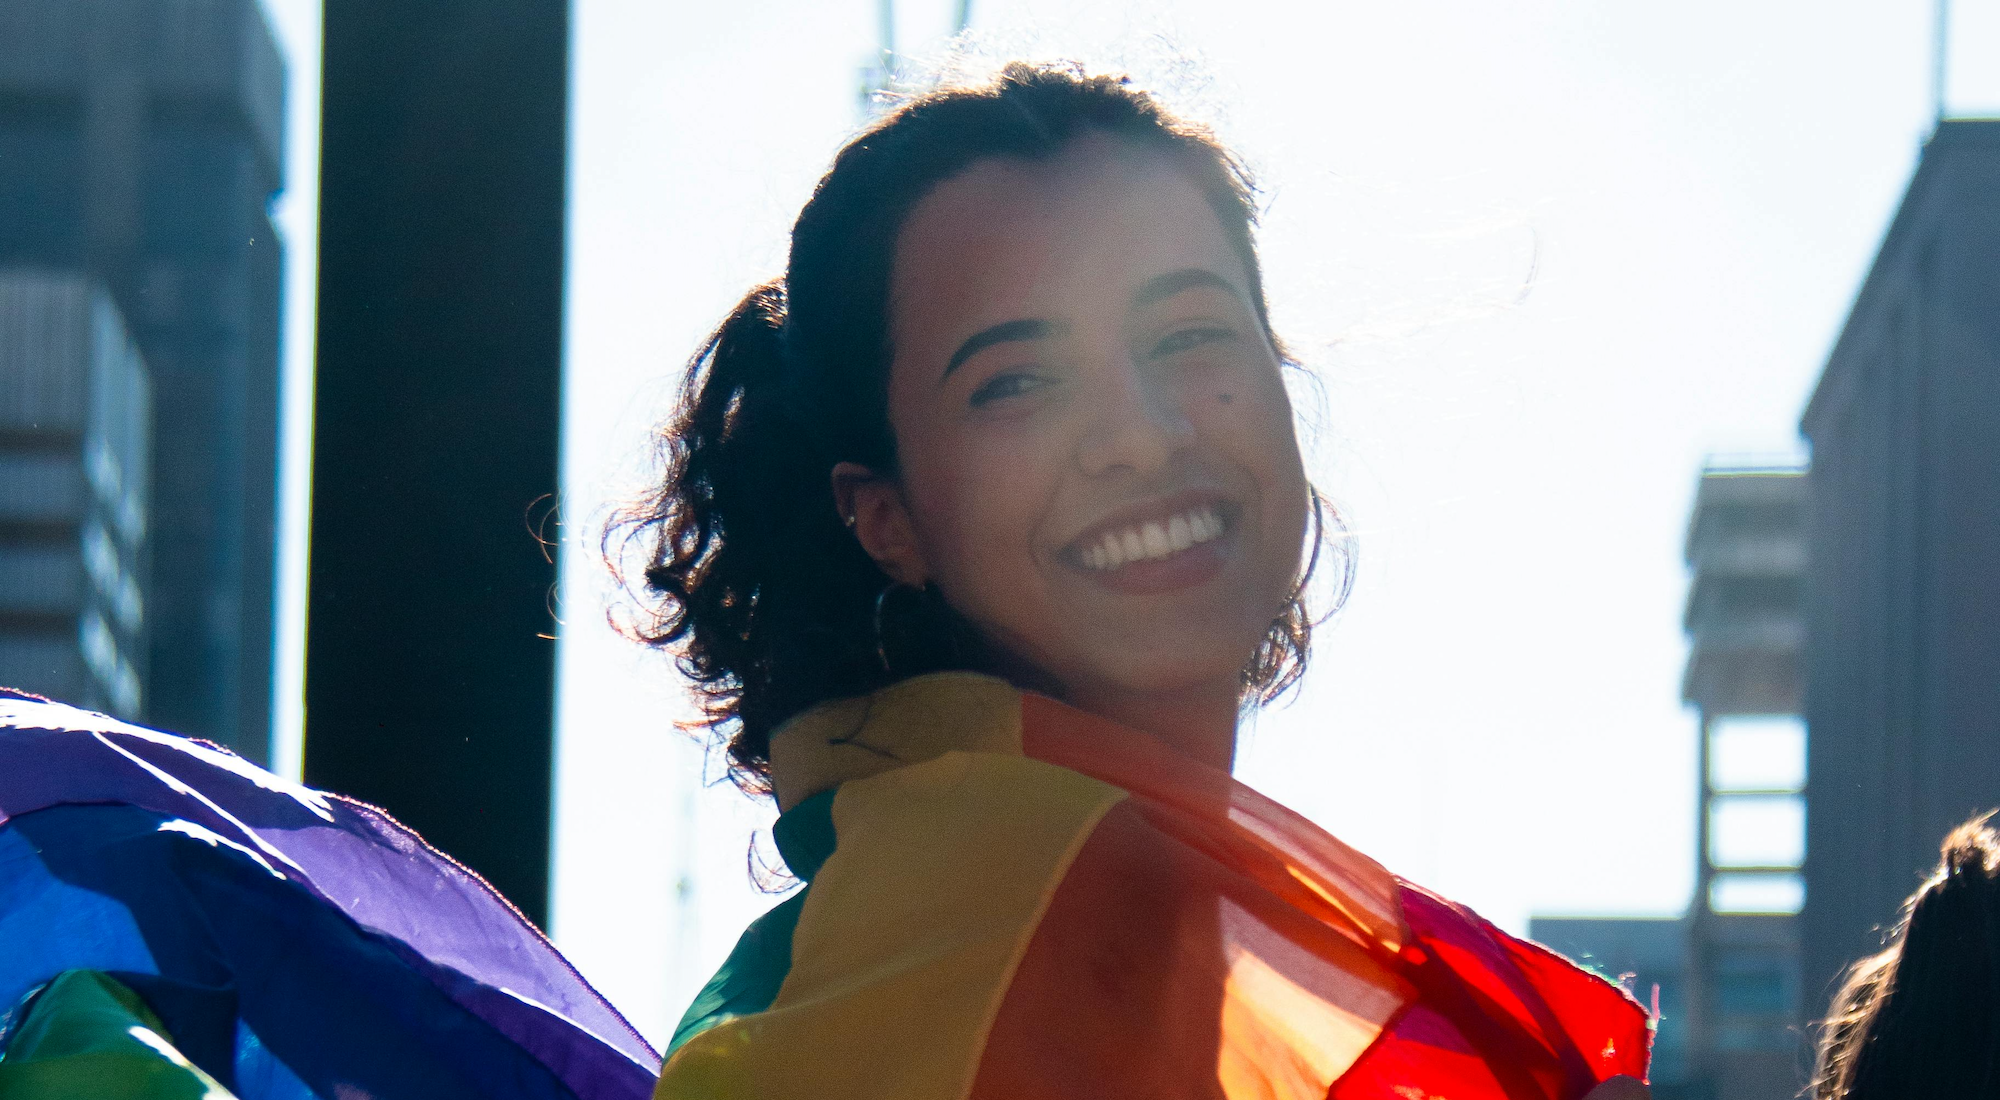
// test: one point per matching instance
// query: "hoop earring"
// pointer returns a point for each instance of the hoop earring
(881, 599)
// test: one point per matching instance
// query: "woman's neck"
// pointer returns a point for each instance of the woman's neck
(1200, 723)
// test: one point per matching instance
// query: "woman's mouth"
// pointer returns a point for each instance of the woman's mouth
(1179, 546)
(1153, 540)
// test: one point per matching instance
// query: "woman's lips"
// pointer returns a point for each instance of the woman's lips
(1175, 548)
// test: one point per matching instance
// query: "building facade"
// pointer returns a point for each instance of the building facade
(1903, 669)
(1746, 555)
(75, 423)
(140, 148)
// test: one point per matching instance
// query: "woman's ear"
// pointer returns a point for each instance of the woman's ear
(873, 508)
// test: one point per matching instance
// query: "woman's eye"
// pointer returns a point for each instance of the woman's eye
(1183, 339)
(1002, 386)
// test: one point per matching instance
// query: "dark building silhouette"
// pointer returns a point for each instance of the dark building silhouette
(1903, 594)
(139, 149)
(75, 416)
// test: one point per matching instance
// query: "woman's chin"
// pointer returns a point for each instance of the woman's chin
(1156, 668)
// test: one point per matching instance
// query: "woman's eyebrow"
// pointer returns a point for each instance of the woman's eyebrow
(1165, 286)
(1027, 328)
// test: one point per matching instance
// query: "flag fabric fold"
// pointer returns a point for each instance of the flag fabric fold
(1009, 898)
(344, 955)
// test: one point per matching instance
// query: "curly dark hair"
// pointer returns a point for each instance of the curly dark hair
(754, 583)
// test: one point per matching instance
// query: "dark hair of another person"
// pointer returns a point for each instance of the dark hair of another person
(1922, 1018)
(754, 583)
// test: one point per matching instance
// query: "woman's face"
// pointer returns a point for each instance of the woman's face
(1099, 468)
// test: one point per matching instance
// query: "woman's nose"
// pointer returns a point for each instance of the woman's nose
(1138, 422)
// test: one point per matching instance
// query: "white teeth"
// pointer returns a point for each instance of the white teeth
(1153, 539)
(1204, 525)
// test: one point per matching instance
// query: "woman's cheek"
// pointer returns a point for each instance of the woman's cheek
(1013, 488)
(981, 515)
(1265, 436)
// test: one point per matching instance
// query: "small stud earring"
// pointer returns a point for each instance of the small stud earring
(848, 520)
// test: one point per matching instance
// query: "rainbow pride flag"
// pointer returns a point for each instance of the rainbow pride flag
(288, 943)
(1010, 899)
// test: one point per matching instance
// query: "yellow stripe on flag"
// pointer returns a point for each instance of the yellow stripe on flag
(909, 935)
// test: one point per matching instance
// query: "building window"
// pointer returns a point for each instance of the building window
(1765, 753)
(1755, 997)
(1751, 993)
(1757, 830)
(1770, 893)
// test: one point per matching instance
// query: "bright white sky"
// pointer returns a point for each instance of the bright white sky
(1688, 194)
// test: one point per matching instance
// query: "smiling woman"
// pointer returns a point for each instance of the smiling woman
(1020, 231)
(981, 529)
(1119, 385)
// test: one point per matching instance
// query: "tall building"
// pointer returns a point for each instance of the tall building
(75, 416)
(1903, 668)
(140, 147)
(1746, 641)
